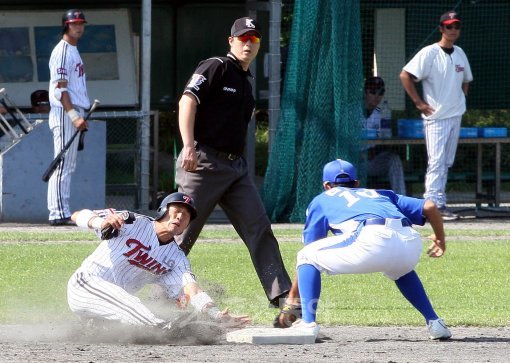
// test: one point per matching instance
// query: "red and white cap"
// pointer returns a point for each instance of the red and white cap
(449, 17)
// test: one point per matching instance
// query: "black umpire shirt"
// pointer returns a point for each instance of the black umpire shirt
(225, 103)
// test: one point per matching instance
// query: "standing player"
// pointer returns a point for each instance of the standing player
(138, 250)
(372, 233)
(444, 71)
(68, 100)
(214, 113)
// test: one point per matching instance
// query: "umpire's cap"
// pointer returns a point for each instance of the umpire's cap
(339, 171)
(180, 198)
(244, 25)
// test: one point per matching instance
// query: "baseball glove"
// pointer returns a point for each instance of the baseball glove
(289, 314)
(108, 232)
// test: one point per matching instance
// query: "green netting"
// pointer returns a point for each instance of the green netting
(321, 105)
(333, 46)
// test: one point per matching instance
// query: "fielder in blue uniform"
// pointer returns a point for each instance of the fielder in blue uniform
(371, 233)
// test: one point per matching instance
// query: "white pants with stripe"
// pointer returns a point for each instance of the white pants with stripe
(92, 297)
(391, 249)
(441, 137)
(59, 185)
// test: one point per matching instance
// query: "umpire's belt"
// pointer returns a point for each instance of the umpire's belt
(386, 221)
(220, 154)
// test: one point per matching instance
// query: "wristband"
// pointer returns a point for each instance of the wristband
(213, 312)
(73, 114)
(83, 218)
(200, 300)
(97, 222)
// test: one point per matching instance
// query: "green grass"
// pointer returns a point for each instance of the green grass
(468, 286)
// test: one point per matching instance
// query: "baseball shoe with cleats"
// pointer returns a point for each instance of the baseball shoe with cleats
(447, 214)
(438, 330)
(309, 328)
(61, 222)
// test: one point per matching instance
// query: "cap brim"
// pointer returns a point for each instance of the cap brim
(244, 31)
(448, 22)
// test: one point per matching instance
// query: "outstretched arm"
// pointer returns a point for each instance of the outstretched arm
(203, 303)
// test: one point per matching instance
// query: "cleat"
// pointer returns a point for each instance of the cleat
(438, 330)
(447, 214)
(307, 328)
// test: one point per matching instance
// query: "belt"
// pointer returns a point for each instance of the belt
(220, 154)
(382, 222)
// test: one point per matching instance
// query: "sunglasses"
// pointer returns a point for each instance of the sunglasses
(379, 92)
(452, 26)
(245, 38)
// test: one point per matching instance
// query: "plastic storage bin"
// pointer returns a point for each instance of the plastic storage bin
(410, 128)
(369, 134)
(468, 132)
(492, 132)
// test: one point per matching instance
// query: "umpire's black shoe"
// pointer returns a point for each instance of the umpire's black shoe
(61, 222)
(279, 301)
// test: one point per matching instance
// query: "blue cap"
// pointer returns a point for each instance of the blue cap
(339, 171)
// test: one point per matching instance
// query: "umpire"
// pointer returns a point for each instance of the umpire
(214, 113)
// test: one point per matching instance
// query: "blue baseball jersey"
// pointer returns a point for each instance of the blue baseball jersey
(332, 208)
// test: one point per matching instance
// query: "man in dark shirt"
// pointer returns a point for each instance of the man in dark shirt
(214, 113)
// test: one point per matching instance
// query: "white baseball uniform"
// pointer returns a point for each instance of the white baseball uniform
(65, 64)
(442, 76)
(103, 286)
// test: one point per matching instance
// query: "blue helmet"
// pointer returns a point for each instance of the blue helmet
(180, 198)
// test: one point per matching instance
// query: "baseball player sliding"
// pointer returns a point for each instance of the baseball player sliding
(138, 250)
(372, 233)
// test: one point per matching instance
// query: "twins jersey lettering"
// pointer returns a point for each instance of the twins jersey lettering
(66, 63)
(135, 258)
(103, 286)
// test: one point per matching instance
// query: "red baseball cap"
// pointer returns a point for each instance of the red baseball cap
(449, 17)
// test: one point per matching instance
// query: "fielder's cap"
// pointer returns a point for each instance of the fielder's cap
(339, 171)
(449, 17)
(374, 84)
(245, 25)
(39, 97)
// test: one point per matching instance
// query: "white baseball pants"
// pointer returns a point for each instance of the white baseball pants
(441, 138)
(391, 249)
(92, 297)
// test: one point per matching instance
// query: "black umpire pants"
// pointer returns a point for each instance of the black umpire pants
(218, 180)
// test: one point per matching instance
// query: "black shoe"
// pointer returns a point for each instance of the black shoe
(279, 301)
(62, 222)
(447, 214)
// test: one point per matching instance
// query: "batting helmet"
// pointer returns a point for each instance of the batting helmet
(179, 198)
(72, 16)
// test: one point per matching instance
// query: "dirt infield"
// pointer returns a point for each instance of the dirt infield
(59, 342)
(336, 344)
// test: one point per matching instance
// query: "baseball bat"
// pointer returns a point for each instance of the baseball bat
(58, 159)
(18, 111)
(6, 133)
(14, 117)
(9, 127)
